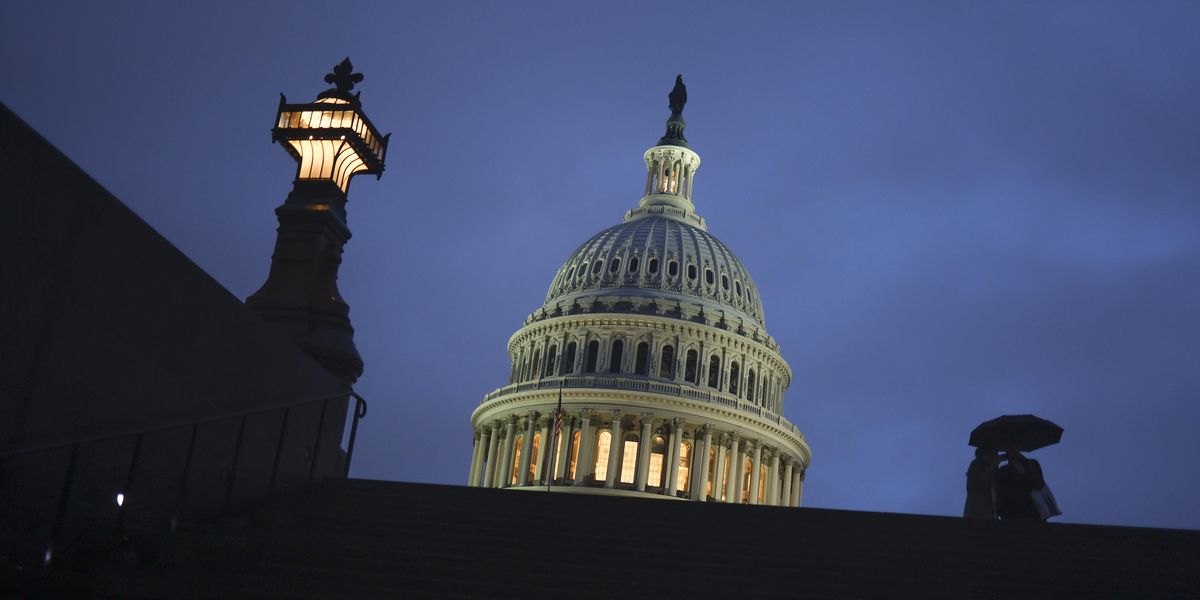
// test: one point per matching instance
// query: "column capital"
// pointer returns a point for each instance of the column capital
(676, 422)
(647, 416)
(532, 414)
(706, 429)
(512, 419)
(544, 421)
(616, 414)
(497, 423)
(734, 437)
(585, 414)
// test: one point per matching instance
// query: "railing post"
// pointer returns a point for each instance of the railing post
(63, 497)
(279, 450)
(124, 491)
(183, 479)
(231, 470)
(360, 411)
(312, 465)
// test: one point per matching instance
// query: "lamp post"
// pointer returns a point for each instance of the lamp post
(332, 141)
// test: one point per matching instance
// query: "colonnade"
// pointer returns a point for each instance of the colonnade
(698, 461)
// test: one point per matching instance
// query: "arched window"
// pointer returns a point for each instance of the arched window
(762, 484)
(673, 268)
(589, 360)
(658, 454)
(614, 356)
(708, 277)
(724, 281)
(573, 458)
(734, 377)
(692, 272)
(633, 264)
(629, 459)
(551, 357)
(725, 475)
(691, 371)
(652, 266)
(737, 288)
(570, 272)
(516, 466)
(666, 364)
(714, 372)
(685, 462)
(533, 458)
(596, 267)
(569, 359)
(614, 265)
(536, 365)
(603, 447)
(750, 385)
(641, 359)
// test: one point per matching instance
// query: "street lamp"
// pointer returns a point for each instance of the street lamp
(332, 140)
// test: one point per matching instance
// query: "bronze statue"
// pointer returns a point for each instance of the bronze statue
(678, 96)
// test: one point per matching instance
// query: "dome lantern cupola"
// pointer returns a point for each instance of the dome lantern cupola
(671, 167)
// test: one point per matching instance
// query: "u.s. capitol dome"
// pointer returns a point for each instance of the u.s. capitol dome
(648, 370)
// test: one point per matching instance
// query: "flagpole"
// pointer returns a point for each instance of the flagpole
(555, 437)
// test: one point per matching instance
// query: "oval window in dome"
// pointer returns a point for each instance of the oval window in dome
(614, 266)
(633, 264)
(596, 267)
(737, 288)
(708, 277)
(652, 266)
(725, 281)
(673, 269)
(570, 273)
(691, 271)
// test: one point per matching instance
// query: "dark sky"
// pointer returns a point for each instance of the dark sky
(952, 210)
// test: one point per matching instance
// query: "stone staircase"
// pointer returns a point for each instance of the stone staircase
(375, 539)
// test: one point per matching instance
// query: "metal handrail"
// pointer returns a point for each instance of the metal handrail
(360, 411)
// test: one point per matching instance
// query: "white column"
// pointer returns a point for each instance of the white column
(756, 468)
(581, 461)
(786, 497)
(797, 487)
(699, 485)
(474, 459)
(733, 488)
(560, 466)
(490, 465)
(545, 452)
(504, 475)
(643, 461)
(676, 446)
(773, 478)
(614, 450)
(527, 449)
(718, 485)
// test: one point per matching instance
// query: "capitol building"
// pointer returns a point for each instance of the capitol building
(653, 342)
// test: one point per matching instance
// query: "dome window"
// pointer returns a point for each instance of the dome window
(615, 265)
(633, 265)
(673, 269)
(666, 365)
(708, 277)
(690, 373)
(737, 288)
(596, 267)
(652, 266)
(692, 272)
(725, 281)
(641, 361)
(570, 273)
(615, 355)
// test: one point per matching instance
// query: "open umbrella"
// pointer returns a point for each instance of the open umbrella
(1027, 431)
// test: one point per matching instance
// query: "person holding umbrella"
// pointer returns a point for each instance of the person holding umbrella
(1020, 489)
(981, 485)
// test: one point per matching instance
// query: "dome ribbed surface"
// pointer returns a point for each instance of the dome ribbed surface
(659, 253)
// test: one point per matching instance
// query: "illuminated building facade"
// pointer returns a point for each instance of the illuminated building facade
(653, 336)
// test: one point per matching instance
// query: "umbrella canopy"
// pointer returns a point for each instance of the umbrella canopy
(1027, 431)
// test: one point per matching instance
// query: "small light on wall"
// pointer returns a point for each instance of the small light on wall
(47, 556)
(120, 499)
